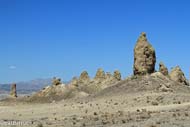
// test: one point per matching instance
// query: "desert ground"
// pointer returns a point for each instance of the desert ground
(140, 102)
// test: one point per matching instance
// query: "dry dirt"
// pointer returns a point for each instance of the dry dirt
(136, 102)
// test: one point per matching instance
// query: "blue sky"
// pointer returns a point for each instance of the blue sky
(46, 38)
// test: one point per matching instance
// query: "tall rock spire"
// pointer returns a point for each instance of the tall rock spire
(13, 92)
(144, 57)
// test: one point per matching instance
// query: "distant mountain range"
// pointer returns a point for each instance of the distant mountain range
(26, 87)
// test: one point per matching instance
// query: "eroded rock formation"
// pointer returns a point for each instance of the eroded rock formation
(13, 92)
(117, 75)
(84, 77)
(177, 75)
(56, 81)
(163, 69)
(100, 81)
(74, 82)
(144, 56)
(100, 74)
(104, 80)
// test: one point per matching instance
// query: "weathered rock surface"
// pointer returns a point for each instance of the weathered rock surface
(108, 75)
(56, 81)
(163, 69)
(13, 92)
(177, 75)
(100, 74)
(84, 77)
(144, 57)
(117, 75)
(50, 93)
(104, 80)
(74, 82)
(83, 80)
(101, 81)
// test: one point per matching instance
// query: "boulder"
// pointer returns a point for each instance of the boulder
(163, 69)
(177, 75)
(144, 57)
(13, 92)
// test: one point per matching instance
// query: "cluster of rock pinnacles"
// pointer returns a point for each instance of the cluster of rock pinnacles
(101, 78)
(144, 64)
(145, 60)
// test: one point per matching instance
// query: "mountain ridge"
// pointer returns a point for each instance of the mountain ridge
(27, 87)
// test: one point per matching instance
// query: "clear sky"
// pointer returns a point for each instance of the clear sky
(46, 38)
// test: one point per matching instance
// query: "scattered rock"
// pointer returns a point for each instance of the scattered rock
(144, 56)
(177, 75)
(155, 103)
(95, 113)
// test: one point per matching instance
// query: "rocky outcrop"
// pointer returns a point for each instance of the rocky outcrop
(13, 92)
(104, 80)
(84, 77)
(163, 69)
(83, 80)
(144, 74)
(144, 57)
(108, 75)
(117, 75)
(74, 82)
(100, 74)
(56, 81)
(177, 75)
(101, 81)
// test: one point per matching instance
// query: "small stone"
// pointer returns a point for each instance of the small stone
(95, 113)
(155, 103)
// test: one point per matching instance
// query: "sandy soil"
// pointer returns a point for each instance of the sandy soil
(126, 104)
(137, 110)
